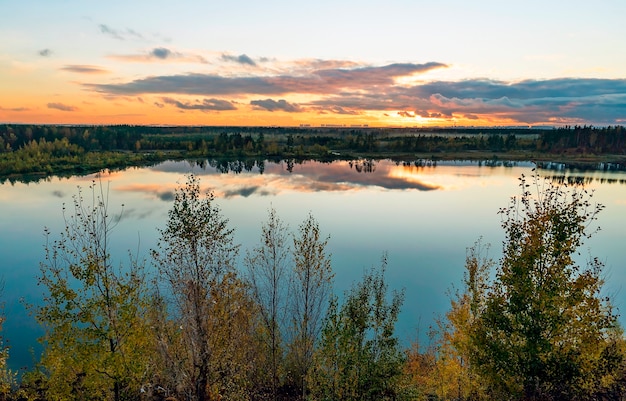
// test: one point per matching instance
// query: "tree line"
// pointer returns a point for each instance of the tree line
(533, 325)
(45, 150)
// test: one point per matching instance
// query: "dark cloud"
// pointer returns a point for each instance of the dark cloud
(84, 69)
(167, 196)
(45, 52)
(193, 84)
(245, 192)
(62, 107)
(528, 89)
(273, 105)
(161, 52)
(241, 59)
(317, 82)
(343, 88)
(204, 105)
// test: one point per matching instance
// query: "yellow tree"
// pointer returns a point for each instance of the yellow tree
(96, 340)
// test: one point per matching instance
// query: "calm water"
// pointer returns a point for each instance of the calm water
(423, 217)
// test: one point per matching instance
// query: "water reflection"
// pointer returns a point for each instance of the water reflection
(424, 213)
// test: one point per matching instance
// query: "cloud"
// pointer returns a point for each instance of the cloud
(241, 59)
(17, 109)
(167, 196)
(320, 64)
(273, 105)
(62, 107)
(245, 191)
(84, 69)
(119, 34)
(317, 82)
(160, 54)
(335, 109)
(366, 76)
(204, 105)
(45, 52)
(527, 89)
(348, 88)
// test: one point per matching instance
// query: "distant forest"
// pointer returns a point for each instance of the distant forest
(43, 150)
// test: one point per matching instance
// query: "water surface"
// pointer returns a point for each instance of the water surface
(422, 215)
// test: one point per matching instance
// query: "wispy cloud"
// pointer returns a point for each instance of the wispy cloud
(241, 59)
(160, 54)
(120, 34)
(204, 105)
(85, 69)
(62, 107)
(17, 109)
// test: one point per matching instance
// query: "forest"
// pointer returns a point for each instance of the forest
(33, 152)
(192, 323)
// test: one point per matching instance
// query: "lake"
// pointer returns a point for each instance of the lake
(423, 215)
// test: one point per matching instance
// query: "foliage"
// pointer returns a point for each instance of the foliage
(33, 152)
(95, 336)
(213, 353)
(542, 329)
(359, 357)
(311, 287)
(7, 376)
(268, 275)
(444, 370)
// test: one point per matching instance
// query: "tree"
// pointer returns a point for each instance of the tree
(311, 287)
(95, 342)
(7, 376)
(195, 257)
(446, 369)
(268, 274)
(359, 357)
(542, 329)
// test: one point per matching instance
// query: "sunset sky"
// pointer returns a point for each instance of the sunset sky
(275, 62)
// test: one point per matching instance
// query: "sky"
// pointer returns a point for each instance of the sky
(288, 63)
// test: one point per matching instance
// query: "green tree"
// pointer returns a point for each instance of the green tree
(543, 330)
(96, 340)
(195, 257)
(311, 286)
(268, 274)
(359, 357)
